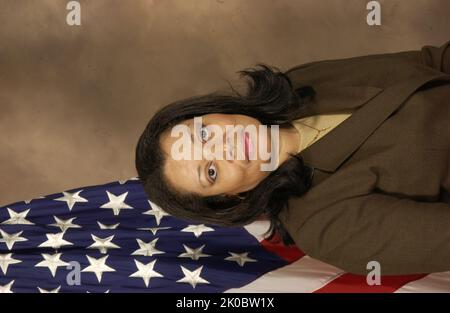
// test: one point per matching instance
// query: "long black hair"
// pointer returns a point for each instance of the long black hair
(271, 99)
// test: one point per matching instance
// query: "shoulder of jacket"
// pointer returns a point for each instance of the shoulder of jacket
(379, 70)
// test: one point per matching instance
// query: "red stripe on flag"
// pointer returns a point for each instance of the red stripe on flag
(357, 283)
(289, 253)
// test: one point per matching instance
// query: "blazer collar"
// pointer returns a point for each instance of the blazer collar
(373, 104)
(331, 98)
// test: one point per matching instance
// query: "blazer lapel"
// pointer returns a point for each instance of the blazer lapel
(330, 98)
(330, 151)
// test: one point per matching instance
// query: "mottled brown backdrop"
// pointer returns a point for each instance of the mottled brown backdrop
(73, 100)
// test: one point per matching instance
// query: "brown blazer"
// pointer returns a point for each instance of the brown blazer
(381, 176)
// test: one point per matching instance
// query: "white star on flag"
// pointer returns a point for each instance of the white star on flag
(52, 262)
(29, 200)
(194, 254)
(192, 277)
(103, 244)
(240, 258)
(6, 260)
(11, 239)
(147, 249)
(71, 198)
(145, 271)
(156, 211)
(6, 288)
(64, 224)
(197, 229)
(55, 241)
(123, 181)
(116, 203)
(17, 218)
(153, 229)
(56, 290)
(104, 226)
(98, 267)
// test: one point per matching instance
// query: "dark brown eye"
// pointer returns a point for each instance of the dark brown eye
(204, 133)
(212, 172)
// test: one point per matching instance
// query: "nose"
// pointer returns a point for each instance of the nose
(227, 150)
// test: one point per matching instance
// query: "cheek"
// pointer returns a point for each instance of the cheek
(255, 175)
(234, 175)
(232, 179)
(237, 179)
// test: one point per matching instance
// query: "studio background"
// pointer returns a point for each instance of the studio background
(74, 99)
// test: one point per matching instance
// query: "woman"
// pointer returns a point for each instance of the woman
(363, 159)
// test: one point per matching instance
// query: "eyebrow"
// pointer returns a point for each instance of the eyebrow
(199, 175)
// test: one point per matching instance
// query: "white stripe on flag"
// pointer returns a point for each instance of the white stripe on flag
(258, 228)
(435, 282)
(308, 274)
(304, 275)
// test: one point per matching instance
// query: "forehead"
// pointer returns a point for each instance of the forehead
(182, 174)
(175, 169)
(166, 140)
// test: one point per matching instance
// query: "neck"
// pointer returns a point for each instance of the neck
(289, 143)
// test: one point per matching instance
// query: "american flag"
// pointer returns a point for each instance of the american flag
(112, 238)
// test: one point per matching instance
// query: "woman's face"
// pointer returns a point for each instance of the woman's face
(209, 175)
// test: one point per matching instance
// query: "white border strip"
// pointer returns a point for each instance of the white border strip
(435, 282)
(305, 275)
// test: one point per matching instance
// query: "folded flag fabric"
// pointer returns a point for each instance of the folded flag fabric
(112, 238)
